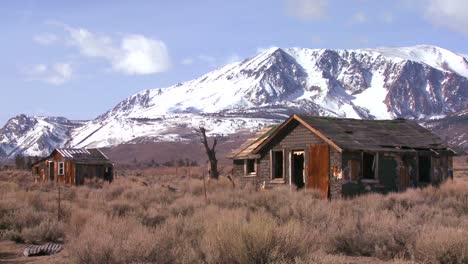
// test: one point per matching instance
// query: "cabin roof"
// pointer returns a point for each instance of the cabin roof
(397, 135)
(80, 155)
(378, 135)
(245, 150)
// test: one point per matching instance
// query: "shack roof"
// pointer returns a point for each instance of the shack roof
(81, 155)
(353, 134)
(357, 134)
(245, 150)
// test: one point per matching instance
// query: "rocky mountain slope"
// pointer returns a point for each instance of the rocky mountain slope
(421, 82)
(453, 129)
(34, 136)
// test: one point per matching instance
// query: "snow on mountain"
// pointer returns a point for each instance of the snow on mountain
(435, 57)
(421, 82)
(453, 129)
(34, 136)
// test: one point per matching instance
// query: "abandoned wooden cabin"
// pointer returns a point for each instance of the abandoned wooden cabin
(73, 166)
(343, 157)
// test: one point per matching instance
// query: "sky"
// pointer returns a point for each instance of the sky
(78, 59)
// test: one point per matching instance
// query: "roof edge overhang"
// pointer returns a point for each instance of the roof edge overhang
(304, 123)
(251, 156)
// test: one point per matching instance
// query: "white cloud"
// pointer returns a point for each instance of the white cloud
(55, 74)
(451, 14)
(387, 17)
(359, 18)
(46, 38)
(307, 9)
(187, 61)
(136, 54)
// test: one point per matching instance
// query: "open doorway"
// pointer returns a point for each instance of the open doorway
(297, 168)
(51, 171)
(277, 160)
(368, 166)
(424, 169)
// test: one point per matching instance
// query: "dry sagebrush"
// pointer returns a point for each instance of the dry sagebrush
(139, 219)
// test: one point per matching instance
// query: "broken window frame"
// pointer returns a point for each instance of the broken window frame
(253, 172)
(61, 168)
(273, 161)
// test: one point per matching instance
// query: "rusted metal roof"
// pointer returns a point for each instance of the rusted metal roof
(82, 155)
(245, 150)
(69, 153)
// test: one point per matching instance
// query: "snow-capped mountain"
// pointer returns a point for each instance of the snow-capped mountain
(453, 129)
(34, 136)
(421, 82)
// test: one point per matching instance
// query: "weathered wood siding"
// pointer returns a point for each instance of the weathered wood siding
(238, 168)
(294, 137)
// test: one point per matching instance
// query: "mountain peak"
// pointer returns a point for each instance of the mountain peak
(419, 82)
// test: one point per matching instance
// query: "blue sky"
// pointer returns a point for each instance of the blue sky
(79, 58)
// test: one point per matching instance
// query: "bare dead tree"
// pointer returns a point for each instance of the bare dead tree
(210, 152)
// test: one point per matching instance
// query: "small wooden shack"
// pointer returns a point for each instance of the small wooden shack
(343, 157)
(73, 166)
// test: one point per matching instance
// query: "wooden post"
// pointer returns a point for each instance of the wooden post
(58, 207)
(204, 187)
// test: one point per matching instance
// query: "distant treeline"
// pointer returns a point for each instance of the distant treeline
(170, 163)
(20, 163)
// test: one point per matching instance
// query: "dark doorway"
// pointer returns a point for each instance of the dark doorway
(368, 166)
(297, 168)
(79, 179)
(108, 174)
(277, 160)
(424, 169)
(51, 171)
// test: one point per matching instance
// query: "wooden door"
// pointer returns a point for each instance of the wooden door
(319, 168)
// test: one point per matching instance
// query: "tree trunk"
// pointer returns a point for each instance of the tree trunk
(210, 152)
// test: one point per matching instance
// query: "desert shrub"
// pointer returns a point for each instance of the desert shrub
(185, 206)
(437, 244)
(125, 240)
(239, 237)
(46, 231)
(114, 191)
(153, 217)
(94, 183)
(378, 234)
(139, 219)
(78, 220)
(121, 208)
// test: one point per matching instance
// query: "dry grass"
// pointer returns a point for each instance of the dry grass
(139, 219)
